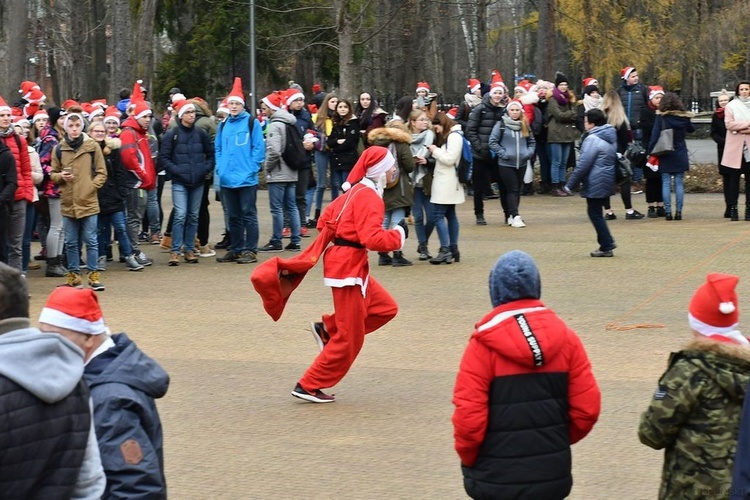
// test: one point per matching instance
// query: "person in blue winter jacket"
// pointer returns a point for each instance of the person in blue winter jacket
(240, 153)
(596, 170)
(124, 384)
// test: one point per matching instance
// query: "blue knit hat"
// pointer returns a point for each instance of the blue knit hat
(514, 276)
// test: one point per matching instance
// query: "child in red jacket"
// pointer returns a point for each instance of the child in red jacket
(524, 392)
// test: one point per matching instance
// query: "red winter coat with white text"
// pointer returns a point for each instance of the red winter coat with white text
(524, 393)
(135, 153)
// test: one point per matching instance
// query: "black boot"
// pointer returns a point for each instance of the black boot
(456, 254)
(54, 269)
(399, 260)
(424, 253)
(528, 189)
(726, 212)
(747, 212)
(444, 255)
(313, 223)
(384, 259)
(225, 242)
(733, 214)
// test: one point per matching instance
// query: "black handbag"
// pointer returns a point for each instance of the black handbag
(636, 153)
(623, 171)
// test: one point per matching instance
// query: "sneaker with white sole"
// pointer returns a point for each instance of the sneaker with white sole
(101, 263)
(320, 334)
(510, 220)
(517, 222)
(206, 251)
(132, 264)
(317, 396)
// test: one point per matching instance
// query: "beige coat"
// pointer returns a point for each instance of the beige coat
(79, 197)
(738, 135)
(446, 190)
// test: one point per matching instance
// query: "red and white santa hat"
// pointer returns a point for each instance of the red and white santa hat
(474, 84)
(655, 90)
(223, 107)
(514, 102)
(236, 94)
(137, 94)
(452, 113)
(523, 86)
(31, 109)
(69, 103)
(74, 309)
(183, 107)
(39, 115)
(27, 87)
(35, 96)
(713, 309)
(112, 115)
(626, 71)
(497, 82)
(4, 106)
(178, 97)
(374, 162)
(423, 86)
(101, 103)
(276, 100)
(292, 94)
(590, 81)
(18, 120)
(140, 109)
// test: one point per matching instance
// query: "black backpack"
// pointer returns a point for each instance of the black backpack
(294, 154)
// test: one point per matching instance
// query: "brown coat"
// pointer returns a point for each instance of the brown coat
(79, 197)
(738, 135)
(402, 194)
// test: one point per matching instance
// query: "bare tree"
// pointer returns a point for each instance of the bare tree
(120, 47)
(14, 23)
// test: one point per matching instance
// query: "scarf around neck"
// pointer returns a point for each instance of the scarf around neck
(7, 132)
(74, 143)
(591, 102)
(561, 98)
(741, 108)
(511, 124)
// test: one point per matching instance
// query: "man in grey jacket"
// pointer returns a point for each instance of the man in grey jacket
(280, 177)
(49, 448)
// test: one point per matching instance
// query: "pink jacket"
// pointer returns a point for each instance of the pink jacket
(738, 134)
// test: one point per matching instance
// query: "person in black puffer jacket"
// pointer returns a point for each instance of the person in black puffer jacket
(478, 130)
(187, 155)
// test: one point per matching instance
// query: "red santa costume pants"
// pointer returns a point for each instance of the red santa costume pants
(354, 316)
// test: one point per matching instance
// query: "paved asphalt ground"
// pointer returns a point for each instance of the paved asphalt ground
(232, 430)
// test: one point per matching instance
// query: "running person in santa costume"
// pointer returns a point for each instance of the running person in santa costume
(353, 222)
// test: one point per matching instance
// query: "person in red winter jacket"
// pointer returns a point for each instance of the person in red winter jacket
(524, 392)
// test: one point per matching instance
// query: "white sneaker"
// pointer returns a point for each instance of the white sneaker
(510, 220)
(517, 222)
(206, 251)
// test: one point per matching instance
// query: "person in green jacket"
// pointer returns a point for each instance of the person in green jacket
(694, 415)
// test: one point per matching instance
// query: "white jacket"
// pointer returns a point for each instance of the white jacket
(446, 190)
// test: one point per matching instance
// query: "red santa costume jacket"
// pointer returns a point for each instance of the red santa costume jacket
(361, 229)
(136, 154)
(523, 394)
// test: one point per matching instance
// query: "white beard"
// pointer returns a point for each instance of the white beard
(380, 184)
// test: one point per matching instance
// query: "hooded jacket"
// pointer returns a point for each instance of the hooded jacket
(561, 124)
(344, 155)
(79, 197)
(47, 440)
(694, 416)
(479, 127)
(124, 383)
(136, 156)
(511, 148)
(112, 194)
(238, 155)
(524, 393)
(187, 155)
(675, 161)
(596, 163)
(397, 139)
(276, 168)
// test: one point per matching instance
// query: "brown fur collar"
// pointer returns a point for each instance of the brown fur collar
(683, 114)
(385, 135)
(724, 349)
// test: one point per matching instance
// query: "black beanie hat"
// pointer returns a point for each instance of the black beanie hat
(54, 113)
(590, 88)
(560, 78)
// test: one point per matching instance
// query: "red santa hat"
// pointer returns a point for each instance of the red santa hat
(713, 308)
(514, 102)
(177, 97)
(31, 109)
(39, 115)
(100, 103)
(112, 115)
(316, 88)
(223, 107)
(452, 113)
(590, 81)
(15, 111)
(18, 120)
(293, 94)
(35, 96)
(140, 109)
(497, 82)
(474, 84)
(626, 71)
(423, 86)
(276, 100)
(74, 309)
(654, 90)
(87, 109)
(69, 104)
(95, 111)
(27, 87)
(523, 86)
(374, 162)
(183, 107)
(4, 106)
(137, 94)
(236, 94)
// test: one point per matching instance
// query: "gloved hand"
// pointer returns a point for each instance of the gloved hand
(405, 227)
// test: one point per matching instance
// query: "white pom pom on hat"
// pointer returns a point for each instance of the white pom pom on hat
(714, 306)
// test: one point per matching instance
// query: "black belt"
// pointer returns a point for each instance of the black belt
(346, 243)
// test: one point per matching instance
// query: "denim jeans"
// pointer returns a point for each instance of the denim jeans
(559, 153)
(15, 233)
(281, 197)
(55, 235)
(135, 208)
(424, 220)
(393, 217)
(321, 172)
(26, 242)
(595, 208)
(187, 205)
(154, 211)
(77, 231)
(666, 191)
(242, 212)
(338, 177)
(447, 231)
(106, 223)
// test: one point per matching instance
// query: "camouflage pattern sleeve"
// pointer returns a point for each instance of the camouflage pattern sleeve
(672, 403)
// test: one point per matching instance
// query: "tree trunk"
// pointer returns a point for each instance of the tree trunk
(144, 42)
(121, 74)
(346, 48)
(545, 40)
(14, 25)
(99, 80)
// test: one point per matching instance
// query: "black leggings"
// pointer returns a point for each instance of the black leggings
(484, 174)
(625, 195)
(732, 179)
(511, 180)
